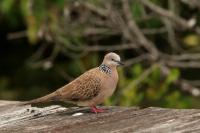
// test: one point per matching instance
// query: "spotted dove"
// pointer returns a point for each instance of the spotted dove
(90, 88)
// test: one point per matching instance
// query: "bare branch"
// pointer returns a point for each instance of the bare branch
(97, 10)
(192, 3)
(160, 11)
(185, 64)
(64, 74)
(110, 48)
(147, 44)
(171, 36)
(182, 84)
(187, 56)
(16, 35)
(136, 59)
(193, 82)
(142, 77)
(154, 31)
(99, 31)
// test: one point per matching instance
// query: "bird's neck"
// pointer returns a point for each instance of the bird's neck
(105, 69)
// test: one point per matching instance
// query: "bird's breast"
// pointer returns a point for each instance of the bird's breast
(109, 85)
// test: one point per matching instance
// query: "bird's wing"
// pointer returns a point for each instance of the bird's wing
(85, 87)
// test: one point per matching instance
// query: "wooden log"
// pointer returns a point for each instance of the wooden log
(22, 119)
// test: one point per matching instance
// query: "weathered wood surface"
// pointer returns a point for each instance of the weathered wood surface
(19, 119)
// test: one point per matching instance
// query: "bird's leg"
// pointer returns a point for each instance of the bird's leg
(96, 110)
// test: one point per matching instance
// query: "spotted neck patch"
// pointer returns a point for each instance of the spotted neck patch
(105, 69)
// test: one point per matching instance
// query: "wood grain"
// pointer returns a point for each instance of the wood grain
(22, 119)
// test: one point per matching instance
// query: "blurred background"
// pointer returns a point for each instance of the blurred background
(45, 44)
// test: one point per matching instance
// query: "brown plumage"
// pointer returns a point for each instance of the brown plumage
(89, 89)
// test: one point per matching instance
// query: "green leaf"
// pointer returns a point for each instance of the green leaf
(6, 5)
(137, 9)
(153, 23)
(59, 3)
(137, 70)
(173, 76)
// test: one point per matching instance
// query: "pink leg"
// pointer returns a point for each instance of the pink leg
(96, 110)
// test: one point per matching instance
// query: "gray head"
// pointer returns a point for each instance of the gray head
(112, 59)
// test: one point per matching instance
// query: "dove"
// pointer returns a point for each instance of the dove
(89, 89)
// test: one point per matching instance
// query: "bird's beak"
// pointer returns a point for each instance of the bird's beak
(120, 63)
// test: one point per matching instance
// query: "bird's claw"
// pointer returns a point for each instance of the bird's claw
(96, 110)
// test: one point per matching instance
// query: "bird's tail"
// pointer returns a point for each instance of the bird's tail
(45, 99)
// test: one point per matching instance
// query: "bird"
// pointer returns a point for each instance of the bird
(89, 89)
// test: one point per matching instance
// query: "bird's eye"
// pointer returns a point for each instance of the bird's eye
(112, 59)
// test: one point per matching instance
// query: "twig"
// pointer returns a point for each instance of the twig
(142, 77)
(110, 48)
(154, 31)
(192, 3)
(65, 75)
(193, 82)
(96, 47)
(16, 35)
(136, 60)
(100, 31)
(39, 52)
(120, 24)
(97, 10)
(54, 53)
(187, 56)
(147, 44)
(185, 86)
(185, 64)
(160, 11)
(171, 36)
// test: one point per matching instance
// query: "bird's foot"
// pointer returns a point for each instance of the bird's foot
(96, 110)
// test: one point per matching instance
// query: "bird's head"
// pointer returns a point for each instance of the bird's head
(112, 59)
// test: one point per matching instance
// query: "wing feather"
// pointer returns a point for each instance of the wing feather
(86, 87)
